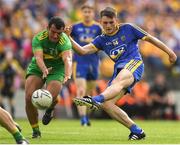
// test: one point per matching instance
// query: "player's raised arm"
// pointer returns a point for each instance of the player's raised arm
(67, 58)
(82, 50)
(162, 46)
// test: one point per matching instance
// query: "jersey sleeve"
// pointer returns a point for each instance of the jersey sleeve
(64, 43)
(137, 31)
(97, 43)
(36, 45)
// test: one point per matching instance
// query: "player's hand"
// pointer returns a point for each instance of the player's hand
(172, 58)
(66, 78)
(46, 72)
(68, 30)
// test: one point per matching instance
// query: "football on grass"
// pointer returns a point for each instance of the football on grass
(42, 99)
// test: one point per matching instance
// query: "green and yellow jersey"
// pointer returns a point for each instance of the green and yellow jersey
(51, 53)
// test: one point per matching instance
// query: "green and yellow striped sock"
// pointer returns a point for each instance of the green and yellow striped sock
(17, 135)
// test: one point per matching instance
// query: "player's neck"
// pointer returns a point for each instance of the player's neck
(88, 23)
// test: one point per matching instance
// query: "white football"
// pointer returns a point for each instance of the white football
(42, 99)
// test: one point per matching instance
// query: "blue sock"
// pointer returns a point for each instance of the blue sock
(135, 129)
(99, 98)
(84, 119)
(87, 119)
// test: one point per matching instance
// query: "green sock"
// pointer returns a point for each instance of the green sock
(36, 129)
(17, 136)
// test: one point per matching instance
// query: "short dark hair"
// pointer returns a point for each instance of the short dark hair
(57, 21)
(108, 12)
(87, 5)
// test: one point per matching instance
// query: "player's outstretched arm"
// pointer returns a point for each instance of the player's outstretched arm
(67, 58)
(87, 49)
(40, 62)
(162, 46)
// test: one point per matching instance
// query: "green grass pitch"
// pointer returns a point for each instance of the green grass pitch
(101, 132)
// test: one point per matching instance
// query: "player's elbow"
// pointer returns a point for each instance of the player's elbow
(82, 53)
(68, 60)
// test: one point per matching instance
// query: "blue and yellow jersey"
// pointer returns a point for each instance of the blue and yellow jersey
(84, 34)
(122, 45)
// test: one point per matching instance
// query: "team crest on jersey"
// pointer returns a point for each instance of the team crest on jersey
(94, 31)
(123, 38)
(117, 51)
(50, 52)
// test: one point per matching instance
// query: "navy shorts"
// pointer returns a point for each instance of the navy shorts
(86, 71)
(135, 66)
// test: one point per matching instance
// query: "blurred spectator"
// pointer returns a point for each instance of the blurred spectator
(9, 67)
(142, 99)
(163, 103)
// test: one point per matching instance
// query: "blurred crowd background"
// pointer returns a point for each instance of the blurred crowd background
(152, 98)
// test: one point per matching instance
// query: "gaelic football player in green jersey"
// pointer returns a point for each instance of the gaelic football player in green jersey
(51, 64)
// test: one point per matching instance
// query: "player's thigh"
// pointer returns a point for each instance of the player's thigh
(33, 83)
(81, 85)
(54, 87)
(124, 78)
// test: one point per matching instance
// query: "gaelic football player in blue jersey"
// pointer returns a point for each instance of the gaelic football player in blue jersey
(86, 67)
(119, 42)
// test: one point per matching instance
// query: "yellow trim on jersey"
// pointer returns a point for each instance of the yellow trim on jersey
(139, 29)
(144, 38)
(94, 46)
(62, 40)
(37, 49)
(47, 56)
(43, 35)
(74, 70)
(133, 65)
(60, 55)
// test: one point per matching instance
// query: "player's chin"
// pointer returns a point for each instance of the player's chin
(109, 31)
